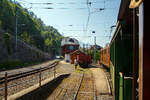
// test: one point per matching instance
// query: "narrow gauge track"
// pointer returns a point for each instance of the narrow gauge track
(67, 89)
(76, 94)
(24, 74)
(86, 88)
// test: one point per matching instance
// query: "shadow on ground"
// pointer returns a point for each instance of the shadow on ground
(91, 66)
(44, 92)
(100, 66)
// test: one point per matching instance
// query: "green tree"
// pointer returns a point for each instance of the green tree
(30, 28)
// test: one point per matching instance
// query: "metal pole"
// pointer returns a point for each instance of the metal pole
(83, 48)
(95, 49)
(135, 48)
(16, 22)
(40, 77)
(54, 72)
(141, 34)
(6, 82)
(87, 50)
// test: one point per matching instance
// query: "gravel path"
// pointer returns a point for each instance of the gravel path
(103, 90)
(100, 81)
(65, 68)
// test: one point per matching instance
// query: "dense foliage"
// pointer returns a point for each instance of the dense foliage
(31, 29)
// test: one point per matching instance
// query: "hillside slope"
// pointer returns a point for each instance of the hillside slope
(25, 53)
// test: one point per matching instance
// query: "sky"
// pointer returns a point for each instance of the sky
(70, 18)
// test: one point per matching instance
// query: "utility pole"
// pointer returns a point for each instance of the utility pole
(95, 49)
(83, 47)
(87, 49)
(16, 22)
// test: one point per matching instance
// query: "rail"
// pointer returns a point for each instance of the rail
(24, 74)
(95, 97)
(37, 79)
(75, 96)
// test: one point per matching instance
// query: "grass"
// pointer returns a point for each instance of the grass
(83, 70)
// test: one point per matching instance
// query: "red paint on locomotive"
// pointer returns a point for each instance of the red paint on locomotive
(82, 58)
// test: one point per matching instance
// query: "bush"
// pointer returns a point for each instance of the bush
(7, 42)
(0, 23)
(13, 64)
(10, 64)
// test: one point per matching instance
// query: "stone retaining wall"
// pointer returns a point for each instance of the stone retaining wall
(25, 52)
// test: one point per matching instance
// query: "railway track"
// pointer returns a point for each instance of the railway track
(76, 87)
(24, 74)
(76, 94)
(86, 88)
(17, 82)
(67, 88)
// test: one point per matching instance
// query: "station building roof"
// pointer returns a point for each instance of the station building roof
(69, 41)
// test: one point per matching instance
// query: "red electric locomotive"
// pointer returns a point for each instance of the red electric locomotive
(82, 58)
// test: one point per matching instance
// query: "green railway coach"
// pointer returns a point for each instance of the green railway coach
(122, 54)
